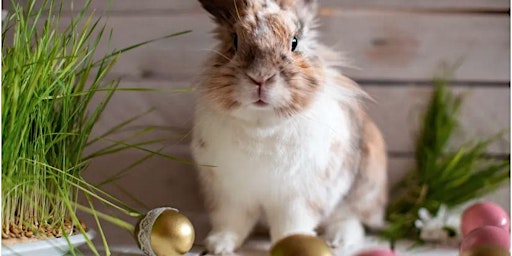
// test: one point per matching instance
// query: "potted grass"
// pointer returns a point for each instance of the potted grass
(50, 76)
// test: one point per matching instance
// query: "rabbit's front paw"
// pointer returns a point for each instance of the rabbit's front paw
(222, 243)
(344, 234)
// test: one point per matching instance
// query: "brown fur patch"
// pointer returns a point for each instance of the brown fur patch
(303, 82)
(281, 32)
(370, 191)
(219, 89)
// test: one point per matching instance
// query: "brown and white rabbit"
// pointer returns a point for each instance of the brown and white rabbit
(280, 134)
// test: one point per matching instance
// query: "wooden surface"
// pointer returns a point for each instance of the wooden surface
(395, 48)
(383, 40)
(260, 247)
(382, 46)
(133, 6)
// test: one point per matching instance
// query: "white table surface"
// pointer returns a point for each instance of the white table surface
(260, 247)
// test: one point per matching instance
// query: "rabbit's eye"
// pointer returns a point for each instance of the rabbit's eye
(235, 41)
(295, 41)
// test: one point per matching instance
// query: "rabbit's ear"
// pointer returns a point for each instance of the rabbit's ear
(224, 11)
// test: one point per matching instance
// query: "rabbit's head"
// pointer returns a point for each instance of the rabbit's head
(266, 60)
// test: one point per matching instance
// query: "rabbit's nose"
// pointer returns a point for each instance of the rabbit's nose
(261, 80)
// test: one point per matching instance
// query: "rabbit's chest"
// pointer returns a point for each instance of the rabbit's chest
(286, 150)
(279, 162)
(280, 147)
(282, 160)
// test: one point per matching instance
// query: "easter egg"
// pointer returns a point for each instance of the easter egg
(486, 250)
(484, 214)
(300, 245)
(486, 236)
(376, 252)
(165, 232)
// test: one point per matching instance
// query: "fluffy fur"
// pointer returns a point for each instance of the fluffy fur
(280, 134)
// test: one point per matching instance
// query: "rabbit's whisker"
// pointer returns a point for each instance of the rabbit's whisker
(236, 9)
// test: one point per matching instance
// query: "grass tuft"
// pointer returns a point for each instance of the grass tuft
(49, 77)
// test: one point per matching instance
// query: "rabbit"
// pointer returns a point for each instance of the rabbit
(280, 135)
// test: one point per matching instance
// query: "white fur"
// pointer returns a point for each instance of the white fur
(265, 166)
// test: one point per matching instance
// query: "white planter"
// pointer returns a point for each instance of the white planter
(49, 247)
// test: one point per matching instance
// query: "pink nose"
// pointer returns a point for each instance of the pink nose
(261, 80)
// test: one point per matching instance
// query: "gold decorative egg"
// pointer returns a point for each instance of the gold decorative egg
(165, 232)
(300, 245)
(486, 250)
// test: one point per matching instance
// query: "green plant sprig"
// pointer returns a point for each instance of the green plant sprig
(442, 176)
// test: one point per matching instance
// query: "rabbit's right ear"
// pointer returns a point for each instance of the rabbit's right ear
(224, 11)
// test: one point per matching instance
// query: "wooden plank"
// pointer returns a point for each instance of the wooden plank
(383, 46)
(398, 110)
(126, 6)
(396, 46)
(151, 5)
(412, 46)
(137, 6)
(485, 112)
(439, 5)
(171, 111)
(175, 58)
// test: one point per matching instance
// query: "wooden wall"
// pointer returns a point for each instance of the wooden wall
(395, 48)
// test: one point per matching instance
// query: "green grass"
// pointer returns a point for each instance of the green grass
(49, 77)
(45, 112)
(443, 175)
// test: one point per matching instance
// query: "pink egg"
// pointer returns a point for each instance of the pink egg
(484, 214)
(376, 252)
(486, 235)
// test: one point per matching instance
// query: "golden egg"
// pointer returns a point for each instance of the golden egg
(171, 233)
(300, 245)
(486, 250)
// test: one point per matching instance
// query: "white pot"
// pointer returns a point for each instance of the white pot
(48, 247)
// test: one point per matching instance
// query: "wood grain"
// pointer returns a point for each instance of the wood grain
(433, 5)
(416, 46)
(379, 45)
(137, 6)
(398, 109)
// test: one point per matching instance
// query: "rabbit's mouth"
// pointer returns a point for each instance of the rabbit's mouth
(260, 103)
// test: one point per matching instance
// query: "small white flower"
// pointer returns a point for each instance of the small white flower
(443, 227)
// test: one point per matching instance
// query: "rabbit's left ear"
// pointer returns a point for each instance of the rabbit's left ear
(224, 11)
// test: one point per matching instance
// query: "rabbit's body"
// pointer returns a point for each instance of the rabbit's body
(296, 148)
